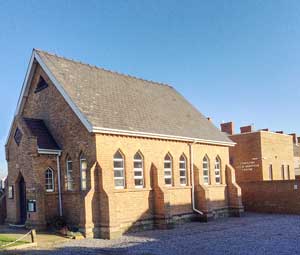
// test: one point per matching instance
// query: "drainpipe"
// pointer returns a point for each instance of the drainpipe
(193, 182)
(59, 185)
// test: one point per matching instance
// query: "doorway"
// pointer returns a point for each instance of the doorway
(22, 201)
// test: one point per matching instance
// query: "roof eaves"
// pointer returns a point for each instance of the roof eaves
(160, 136)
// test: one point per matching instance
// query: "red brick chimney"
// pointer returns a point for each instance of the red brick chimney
(298, 139)
(228, 127)
(294, 137)
(247, 129)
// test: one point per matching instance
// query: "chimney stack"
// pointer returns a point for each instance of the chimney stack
(247, 129)
(298, 139)
(294, 138)
(279, 132)
(265, 129)
(209, 118)
(227, 127)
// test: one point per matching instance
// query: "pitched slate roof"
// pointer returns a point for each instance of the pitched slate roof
(38, 129)
(116, 101)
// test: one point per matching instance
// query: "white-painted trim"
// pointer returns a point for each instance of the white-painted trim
(60, 88)
(26, 85)
(157, 136)
(48, 151)
(24, 89)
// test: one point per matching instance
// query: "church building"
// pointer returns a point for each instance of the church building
(112, 153)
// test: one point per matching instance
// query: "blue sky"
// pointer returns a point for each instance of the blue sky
(234, 60)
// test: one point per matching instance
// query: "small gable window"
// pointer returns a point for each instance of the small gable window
(42, 84)
(18, 136)
(49, 180)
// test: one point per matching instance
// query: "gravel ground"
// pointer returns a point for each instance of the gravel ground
(251, 234)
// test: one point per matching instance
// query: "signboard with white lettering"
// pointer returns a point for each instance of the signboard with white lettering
(250, 165)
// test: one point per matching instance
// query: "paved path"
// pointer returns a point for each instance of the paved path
(252, 234)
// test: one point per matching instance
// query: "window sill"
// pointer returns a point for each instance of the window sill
(131, 190)
(178, 187)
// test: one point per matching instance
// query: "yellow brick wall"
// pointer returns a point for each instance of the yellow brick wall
(277, 149)
(257, 150)
(131, 204)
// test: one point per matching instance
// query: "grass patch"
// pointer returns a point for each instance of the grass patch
(6, 240)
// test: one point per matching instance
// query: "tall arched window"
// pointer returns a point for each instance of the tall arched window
(138, 168)
(49, 180)
(205, 166)
(83, 170)
(119, 175)
(168, 170)
(218, 170)
(182, 170)
(69, 174)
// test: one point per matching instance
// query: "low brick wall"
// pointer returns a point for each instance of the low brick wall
(272, 196)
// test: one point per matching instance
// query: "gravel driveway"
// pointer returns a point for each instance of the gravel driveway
(251, 234)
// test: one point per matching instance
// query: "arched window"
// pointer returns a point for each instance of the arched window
(49, 180)
(138, 168)
(182, 170)
(83, 170)
(168, 170)
(218, 170)
(205, 166)
(69, 174)
(119, 175)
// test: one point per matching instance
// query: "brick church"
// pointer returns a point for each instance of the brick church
(112, 153)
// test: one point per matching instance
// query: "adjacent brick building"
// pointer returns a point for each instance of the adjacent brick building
(296, 155)
(112, 153)
(260, 155)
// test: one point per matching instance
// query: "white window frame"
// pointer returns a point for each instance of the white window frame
(83, 181)
(119, 169)
(218, 170)
(205, 160)
(183, 177)
(168, 176)
(138, 170)
(51, 184)
(70, 181)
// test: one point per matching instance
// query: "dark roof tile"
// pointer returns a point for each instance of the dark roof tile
(115, 101)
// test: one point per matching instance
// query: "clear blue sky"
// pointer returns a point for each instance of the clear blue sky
(234, 60)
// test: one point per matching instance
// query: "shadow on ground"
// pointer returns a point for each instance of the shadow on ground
(252, 234)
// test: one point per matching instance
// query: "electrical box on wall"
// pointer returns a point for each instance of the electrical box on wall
(31, 206)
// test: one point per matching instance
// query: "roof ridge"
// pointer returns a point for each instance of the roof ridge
(103, 69)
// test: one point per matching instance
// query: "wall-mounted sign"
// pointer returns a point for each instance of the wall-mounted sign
(31, 206)
(249, 165)
(10, 192)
